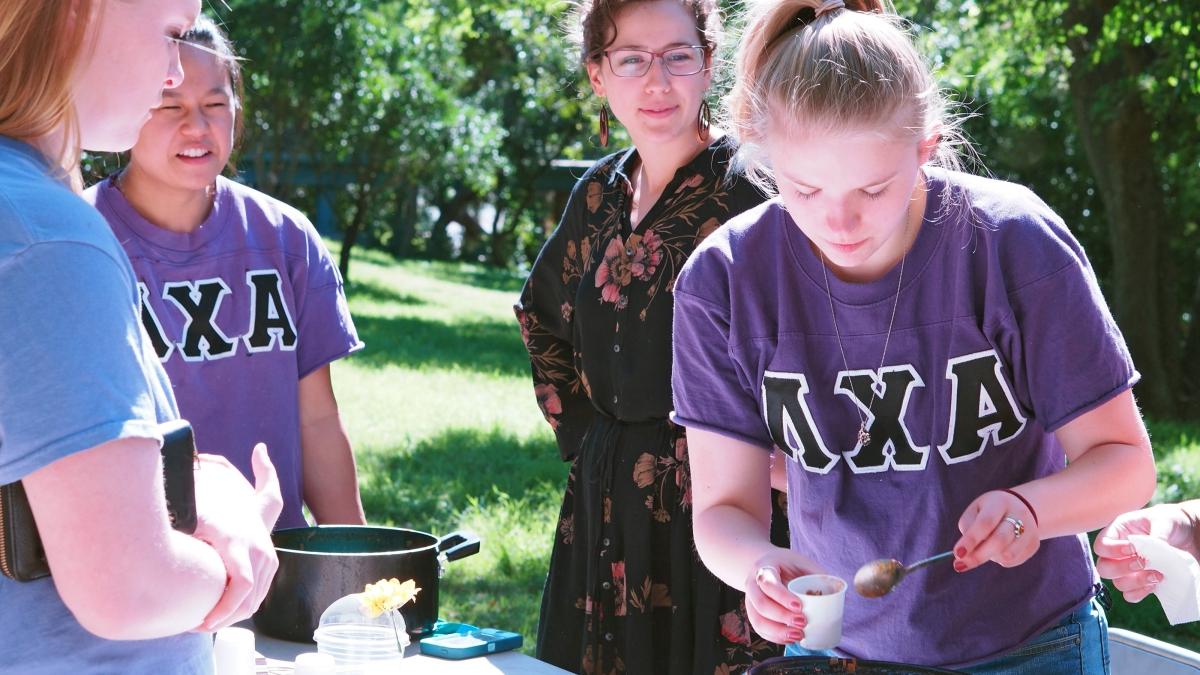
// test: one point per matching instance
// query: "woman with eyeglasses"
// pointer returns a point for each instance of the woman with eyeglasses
(626, 590)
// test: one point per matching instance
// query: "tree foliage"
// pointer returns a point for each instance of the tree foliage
(1095, 104)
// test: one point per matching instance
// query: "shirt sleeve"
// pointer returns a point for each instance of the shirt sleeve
(71, 375)
(1073, 356)
(711, 390)
(325, 328)
(546, 311)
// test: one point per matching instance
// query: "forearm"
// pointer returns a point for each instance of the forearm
(731, 541)
(166, 597)
(1092, 490)
(330, 474)
(117, 564)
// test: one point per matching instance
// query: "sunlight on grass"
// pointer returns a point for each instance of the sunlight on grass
(441, 412)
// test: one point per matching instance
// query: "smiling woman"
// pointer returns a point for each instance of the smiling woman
(240, 298)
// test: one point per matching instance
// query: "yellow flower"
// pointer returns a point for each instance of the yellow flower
(386, 595)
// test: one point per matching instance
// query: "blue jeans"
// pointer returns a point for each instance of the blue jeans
(1078, 645)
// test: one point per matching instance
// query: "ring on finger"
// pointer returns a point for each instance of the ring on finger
(1018, 526)
(762, 572)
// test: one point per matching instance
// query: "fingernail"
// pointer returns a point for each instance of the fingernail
(1137, 564)
(1155, 577)
(1128, 549)
(960, 566)
(799, 622)
(796, 605)
(795, 635)
(960, 551)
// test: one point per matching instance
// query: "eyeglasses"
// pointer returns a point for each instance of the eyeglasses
(636, 62)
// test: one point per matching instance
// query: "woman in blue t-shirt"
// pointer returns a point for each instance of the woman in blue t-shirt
(930, 349)
(81, 396)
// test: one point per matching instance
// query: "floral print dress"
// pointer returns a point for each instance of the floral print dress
(626, 591)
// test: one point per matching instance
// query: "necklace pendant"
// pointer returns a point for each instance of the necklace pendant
(864, 438)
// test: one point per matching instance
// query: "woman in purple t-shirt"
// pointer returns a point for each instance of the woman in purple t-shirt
(929, 348)
(240, 298)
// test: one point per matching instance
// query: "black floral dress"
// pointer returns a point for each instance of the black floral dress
(626, 591)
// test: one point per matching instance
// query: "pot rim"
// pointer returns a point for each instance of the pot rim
(433, 546)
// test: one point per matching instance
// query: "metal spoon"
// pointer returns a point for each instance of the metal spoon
(878, 577)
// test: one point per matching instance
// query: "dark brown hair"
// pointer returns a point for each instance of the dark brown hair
(592, 27)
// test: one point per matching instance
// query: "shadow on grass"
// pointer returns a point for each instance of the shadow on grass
(481, 346)
(430, 487)
(472, 275)
(378, 292)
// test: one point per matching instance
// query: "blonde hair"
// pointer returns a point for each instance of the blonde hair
(821, 67)
(41, 42)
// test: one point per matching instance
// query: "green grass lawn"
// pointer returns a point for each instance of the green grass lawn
(441, 412)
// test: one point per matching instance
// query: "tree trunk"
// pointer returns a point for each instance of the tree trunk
(361, 202)
(1117, 138)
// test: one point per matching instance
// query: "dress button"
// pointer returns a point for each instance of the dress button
(606, 542)
(614, 400)
(606, 585)
(617, 349)
(608, 637)
(629, 250)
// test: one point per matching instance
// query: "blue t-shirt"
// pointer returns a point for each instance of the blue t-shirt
(76, 371)
(239, 311)
(1001, 336)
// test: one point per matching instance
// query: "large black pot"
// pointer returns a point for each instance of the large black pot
(318, 565)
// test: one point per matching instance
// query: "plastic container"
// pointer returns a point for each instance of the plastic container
(359, 644)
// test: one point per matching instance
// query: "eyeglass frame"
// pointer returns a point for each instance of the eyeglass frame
(655, 55)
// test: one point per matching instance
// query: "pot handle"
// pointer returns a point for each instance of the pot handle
(458, 544)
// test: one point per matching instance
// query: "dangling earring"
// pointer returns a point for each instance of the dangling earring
(604, 125)
(703, 122)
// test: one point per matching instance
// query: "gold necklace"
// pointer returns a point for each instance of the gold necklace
(863, 437)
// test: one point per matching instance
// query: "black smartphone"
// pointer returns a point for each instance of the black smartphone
(179, 461)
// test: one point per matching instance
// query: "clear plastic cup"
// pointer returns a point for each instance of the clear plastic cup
(359, 644)
(824, 599)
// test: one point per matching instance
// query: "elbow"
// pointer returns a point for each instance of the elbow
(119, 616)
(1146, 474)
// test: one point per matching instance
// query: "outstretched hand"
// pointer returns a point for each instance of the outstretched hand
(236, 520)
(1117, 559)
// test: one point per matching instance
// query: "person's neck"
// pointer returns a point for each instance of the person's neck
(660, 162)
(165, 206)
(656, 169)
(52, 147)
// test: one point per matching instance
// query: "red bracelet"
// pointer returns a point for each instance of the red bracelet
(1025, 502)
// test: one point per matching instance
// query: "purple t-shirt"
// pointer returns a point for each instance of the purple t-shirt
(1001, 336)
(238, 310)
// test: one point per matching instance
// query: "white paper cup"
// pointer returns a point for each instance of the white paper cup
(824, 598)
(233, 652)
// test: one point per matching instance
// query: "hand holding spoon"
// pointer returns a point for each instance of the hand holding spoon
(878, 577)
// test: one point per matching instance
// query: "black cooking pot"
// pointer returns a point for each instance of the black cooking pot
(318, 565)
(798, 665)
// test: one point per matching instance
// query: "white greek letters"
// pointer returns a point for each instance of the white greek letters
(205, 332)
(982, 413)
